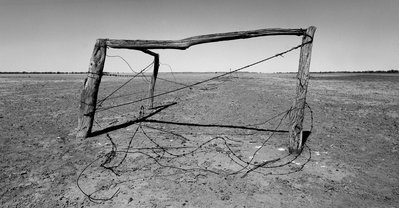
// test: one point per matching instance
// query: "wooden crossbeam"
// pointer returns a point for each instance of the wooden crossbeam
(188, 42)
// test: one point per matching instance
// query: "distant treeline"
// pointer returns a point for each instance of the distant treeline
(112, 73)
(377, 71)
(330, 72)
(128, 74)
(25, 72)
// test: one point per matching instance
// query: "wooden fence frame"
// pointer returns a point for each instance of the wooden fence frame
(91, 85)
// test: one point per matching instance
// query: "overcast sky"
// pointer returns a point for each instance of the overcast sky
(59, 35)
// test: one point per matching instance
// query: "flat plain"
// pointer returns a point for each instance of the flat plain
(219, 144)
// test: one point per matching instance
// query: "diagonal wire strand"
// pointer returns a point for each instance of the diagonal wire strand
(130, 67)
(104, 99)
(207, 80)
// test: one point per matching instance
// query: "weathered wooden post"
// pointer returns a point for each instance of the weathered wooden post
(153, 77)
(92, 82)
(88, 98)
(297, 113)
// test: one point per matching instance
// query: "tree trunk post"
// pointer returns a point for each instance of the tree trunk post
(153, 77)
(297, 113)
(88, 97)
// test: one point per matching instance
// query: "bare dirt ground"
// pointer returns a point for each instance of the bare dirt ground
(351, 158)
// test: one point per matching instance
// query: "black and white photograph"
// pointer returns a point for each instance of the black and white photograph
(199, 103)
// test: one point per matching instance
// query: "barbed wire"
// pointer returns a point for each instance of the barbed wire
(137, 74)
(164, 156)
(124, 60)
(206, 80)
(170, 67)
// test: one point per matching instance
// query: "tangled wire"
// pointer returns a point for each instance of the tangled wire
(163, 156)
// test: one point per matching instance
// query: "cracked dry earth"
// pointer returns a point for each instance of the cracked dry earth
(351, 158)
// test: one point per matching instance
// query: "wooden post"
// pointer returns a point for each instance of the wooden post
(88, 97)
(153, 77)
(298, 109)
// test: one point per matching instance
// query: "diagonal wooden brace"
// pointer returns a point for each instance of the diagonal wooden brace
(153, 77)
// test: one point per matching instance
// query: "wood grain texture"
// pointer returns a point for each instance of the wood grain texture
(153, 77)
(92, 82)
(88, 98)
(188, 42)
(298, 109)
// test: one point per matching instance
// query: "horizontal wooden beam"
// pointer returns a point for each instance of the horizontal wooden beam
(188, 42)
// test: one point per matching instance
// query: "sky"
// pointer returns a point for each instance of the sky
(59, 35)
